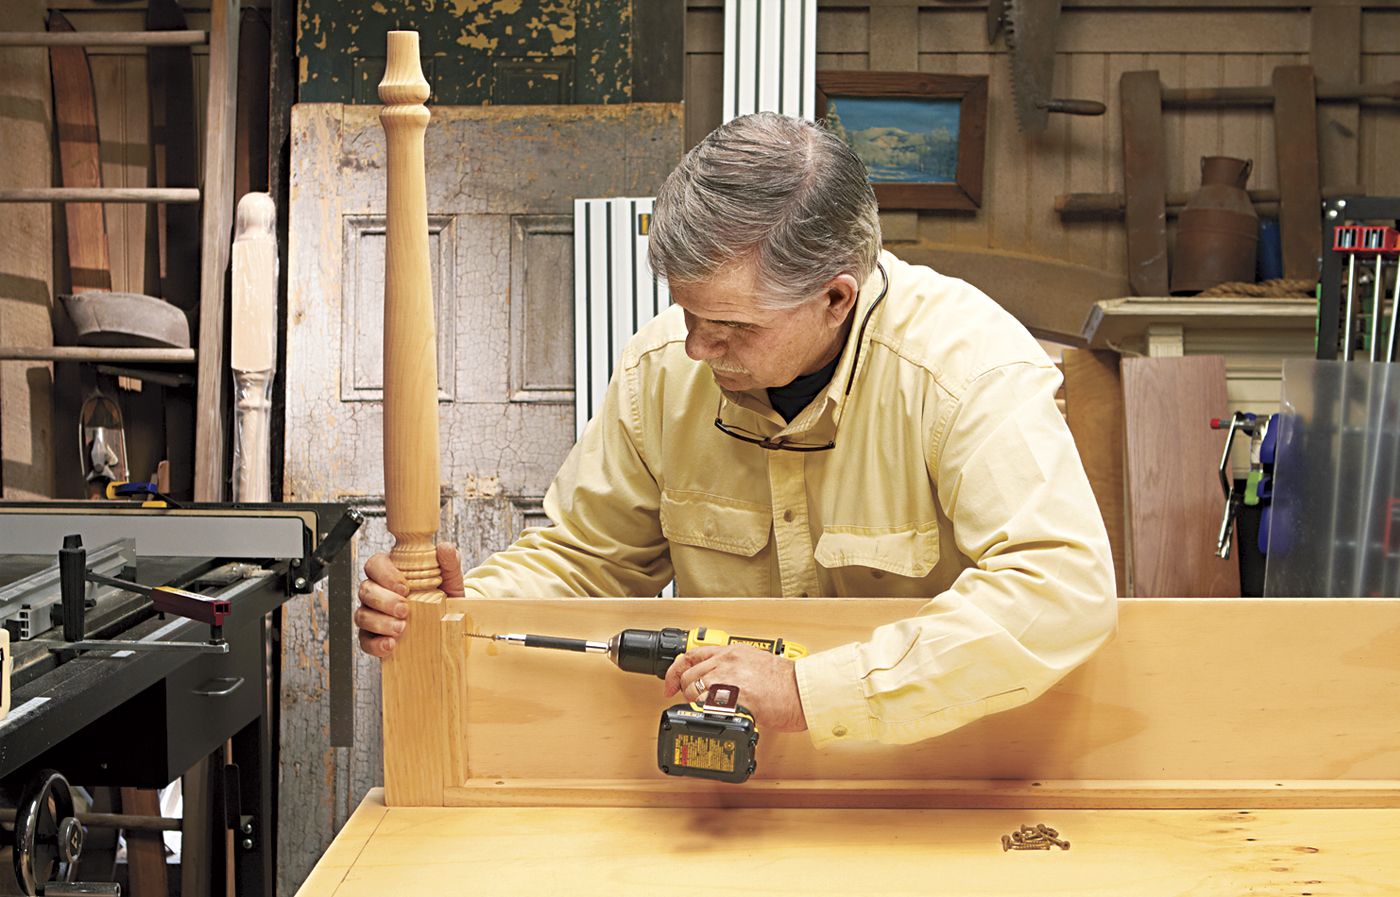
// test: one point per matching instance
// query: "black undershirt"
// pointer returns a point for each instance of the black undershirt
(791, 399)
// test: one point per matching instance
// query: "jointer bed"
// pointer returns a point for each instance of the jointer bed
(1217, 746)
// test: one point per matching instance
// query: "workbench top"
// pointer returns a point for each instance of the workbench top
(610, 851)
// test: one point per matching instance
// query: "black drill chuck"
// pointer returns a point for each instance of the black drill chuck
(647, 650)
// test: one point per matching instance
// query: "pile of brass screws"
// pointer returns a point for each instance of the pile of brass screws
(1041, 837)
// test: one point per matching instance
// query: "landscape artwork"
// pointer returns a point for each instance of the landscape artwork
(900, 139)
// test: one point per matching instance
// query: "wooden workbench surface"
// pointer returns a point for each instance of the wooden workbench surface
(610, 851)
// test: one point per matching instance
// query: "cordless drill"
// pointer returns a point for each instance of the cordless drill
(714, 737)
(651, 650)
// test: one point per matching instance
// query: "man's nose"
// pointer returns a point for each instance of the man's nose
(701, 343)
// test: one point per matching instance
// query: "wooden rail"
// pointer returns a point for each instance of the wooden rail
(104, 39)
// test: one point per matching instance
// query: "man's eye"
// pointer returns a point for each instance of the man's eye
(735, 325)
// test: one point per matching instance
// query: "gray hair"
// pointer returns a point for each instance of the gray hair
(783, 192)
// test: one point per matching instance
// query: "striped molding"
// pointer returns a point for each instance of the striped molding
(615, 292)
(770, 57)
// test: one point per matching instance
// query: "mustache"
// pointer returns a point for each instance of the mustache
(726, 369)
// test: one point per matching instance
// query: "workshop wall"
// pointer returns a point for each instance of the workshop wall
(1016, 238)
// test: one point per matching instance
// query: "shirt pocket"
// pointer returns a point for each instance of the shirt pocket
(702, 520)
(904, 551)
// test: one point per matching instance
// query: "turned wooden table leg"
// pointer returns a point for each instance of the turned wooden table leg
(415, 736)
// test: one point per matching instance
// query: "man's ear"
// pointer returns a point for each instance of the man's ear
(841, 294)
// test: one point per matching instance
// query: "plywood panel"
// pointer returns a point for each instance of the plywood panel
(890, 852)
(1167, 699)
(1174, 493)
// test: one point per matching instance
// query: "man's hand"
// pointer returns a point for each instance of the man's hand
(767, 683)
(383, 610)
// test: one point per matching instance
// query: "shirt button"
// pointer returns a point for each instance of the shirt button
(709, 526)
(788, 515)
(838, 730)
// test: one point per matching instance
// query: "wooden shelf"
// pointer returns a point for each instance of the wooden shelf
(96, 354)
(1114, 320)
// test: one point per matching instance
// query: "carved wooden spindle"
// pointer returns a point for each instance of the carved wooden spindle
(253, 343)
(414, 735)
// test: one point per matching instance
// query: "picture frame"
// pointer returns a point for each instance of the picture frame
(936, 165)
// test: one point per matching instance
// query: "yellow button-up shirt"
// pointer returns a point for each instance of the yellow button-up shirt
(953, 477)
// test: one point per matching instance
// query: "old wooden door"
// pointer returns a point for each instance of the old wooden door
(501, 186)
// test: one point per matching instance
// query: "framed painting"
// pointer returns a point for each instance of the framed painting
(923, 137)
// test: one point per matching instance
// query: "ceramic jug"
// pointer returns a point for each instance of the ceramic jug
(1217, 234)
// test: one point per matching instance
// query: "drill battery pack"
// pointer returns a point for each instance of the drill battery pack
(714, 740)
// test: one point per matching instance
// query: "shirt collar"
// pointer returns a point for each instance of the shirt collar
(871, 294)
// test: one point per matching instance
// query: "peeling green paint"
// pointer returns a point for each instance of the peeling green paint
(486, 51)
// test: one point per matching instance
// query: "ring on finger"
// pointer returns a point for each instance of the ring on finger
(699, 688)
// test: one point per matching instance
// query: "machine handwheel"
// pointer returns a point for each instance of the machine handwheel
(48, 839)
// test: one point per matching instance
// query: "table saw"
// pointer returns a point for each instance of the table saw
(127, 696)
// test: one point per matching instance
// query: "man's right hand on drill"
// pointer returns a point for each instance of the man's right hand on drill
(382, 611)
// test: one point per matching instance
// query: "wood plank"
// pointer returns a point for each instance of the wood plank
(1144, 182)
(145, 850)
(197, 830)
(93, 353)
(1304, 678)
(1174, 497)
(104, 39)
(943, 794)
(1094, 405)
(1300, 195)
(250, 132)
(1149, 853)
(80, 165)
(216, 236)
(26, 270)
(99, 194)
(1335, 56)
(1111, 204)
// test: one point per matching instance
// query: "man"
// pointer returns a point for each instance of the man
(817, 418)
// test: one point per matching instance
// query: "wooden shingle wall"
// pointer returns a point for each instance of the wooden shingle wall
(1196, 44)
